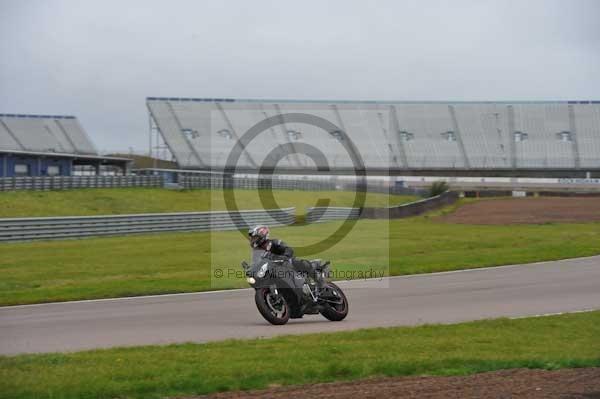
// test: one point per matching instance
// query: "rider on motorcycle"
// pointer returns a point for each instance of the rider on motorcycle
(260, 241)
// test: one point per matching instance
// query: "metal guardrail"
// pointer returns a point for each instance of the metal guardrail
(20, 229)
(70, 182)
(325, 214)
(410, 209)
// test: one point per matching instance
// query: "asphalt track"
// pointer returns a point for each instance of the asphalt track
(513, 291)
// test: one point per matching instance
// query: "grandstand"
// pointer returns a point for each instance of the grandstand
(49, 145)
(550, 139)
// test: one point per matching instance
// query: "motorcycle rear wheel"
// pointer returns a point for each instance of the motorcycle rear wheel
(273, 307)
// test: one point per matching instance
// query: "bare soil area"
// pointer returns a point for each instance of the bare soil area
(518, 383)
(527, 210)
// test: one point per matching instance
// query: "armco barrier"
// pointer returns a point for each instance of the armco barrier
(18, 229)
(410, 209)
(70, 182)
(324, 214)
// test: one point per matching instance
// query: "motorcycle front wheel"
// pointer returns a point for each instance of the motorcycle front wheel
(273, 307)
(334, 303)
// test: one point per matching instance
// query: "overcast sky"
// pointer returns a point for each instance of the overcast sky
(99, 60)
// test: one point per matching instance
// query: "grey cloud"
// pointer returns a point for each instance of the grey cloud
(99, 60)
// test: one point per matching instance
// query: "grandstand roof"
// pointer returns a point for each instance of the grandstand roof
(292, 101)
(60, 134)
(67, 155)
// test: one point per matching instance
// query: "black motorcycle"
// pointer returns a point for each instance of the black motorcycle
(282, 293)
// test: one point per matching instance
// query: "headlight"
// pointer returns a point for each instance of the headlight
(251, 280)
(262, 271)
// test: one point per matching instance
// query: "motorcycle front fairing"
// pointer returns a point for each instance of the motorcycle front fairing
(276, 273)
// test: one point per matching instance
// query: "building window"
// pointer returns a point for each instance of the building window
(337, 134)
(406, 136)
(53, 170)
(294, 135)
(449, 136)
(190, 133)
(565, 136)
(21, 169)
(520, 136)
(226, 134)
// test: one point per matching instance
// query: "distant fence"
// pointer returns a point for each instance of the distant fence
(19, 229)
(324, 214)
(190, 182)
(70, 182)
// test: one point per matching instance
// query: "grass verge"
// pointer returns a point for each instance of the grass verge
(183, 262)
(114, 201)
(554, 342)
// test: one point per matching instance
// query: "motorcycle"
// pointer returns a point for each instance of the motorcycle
(282, 293)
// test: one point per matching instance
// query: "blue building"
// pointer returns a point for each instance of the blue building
(50, 145)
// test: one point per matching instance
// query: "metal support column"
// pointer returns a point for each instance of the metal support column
(395, 128)
(150, 129)
(461, 145)
(180, 127)
(574, 141)
(11, 134)
(235, 136)
(511, 136)
(64, 132)
(284, 130)
(458, 136)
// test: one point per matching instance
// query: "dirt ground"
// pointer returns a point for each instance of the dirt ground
(527, 210)
(518, 383)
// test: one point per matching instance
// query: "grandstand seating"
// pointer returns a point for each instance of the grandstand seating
(44, 133)
(389, 135)
(587, 125)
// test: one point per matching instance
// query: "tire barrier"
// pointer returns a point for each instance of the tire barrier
(325, 214)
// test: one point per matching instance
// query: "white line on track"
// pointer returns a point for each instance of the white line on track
(554, 314)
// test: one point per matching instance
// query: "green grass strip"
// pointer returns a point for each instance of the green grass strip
(115, 201)
(182, 262)
(569, 340)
